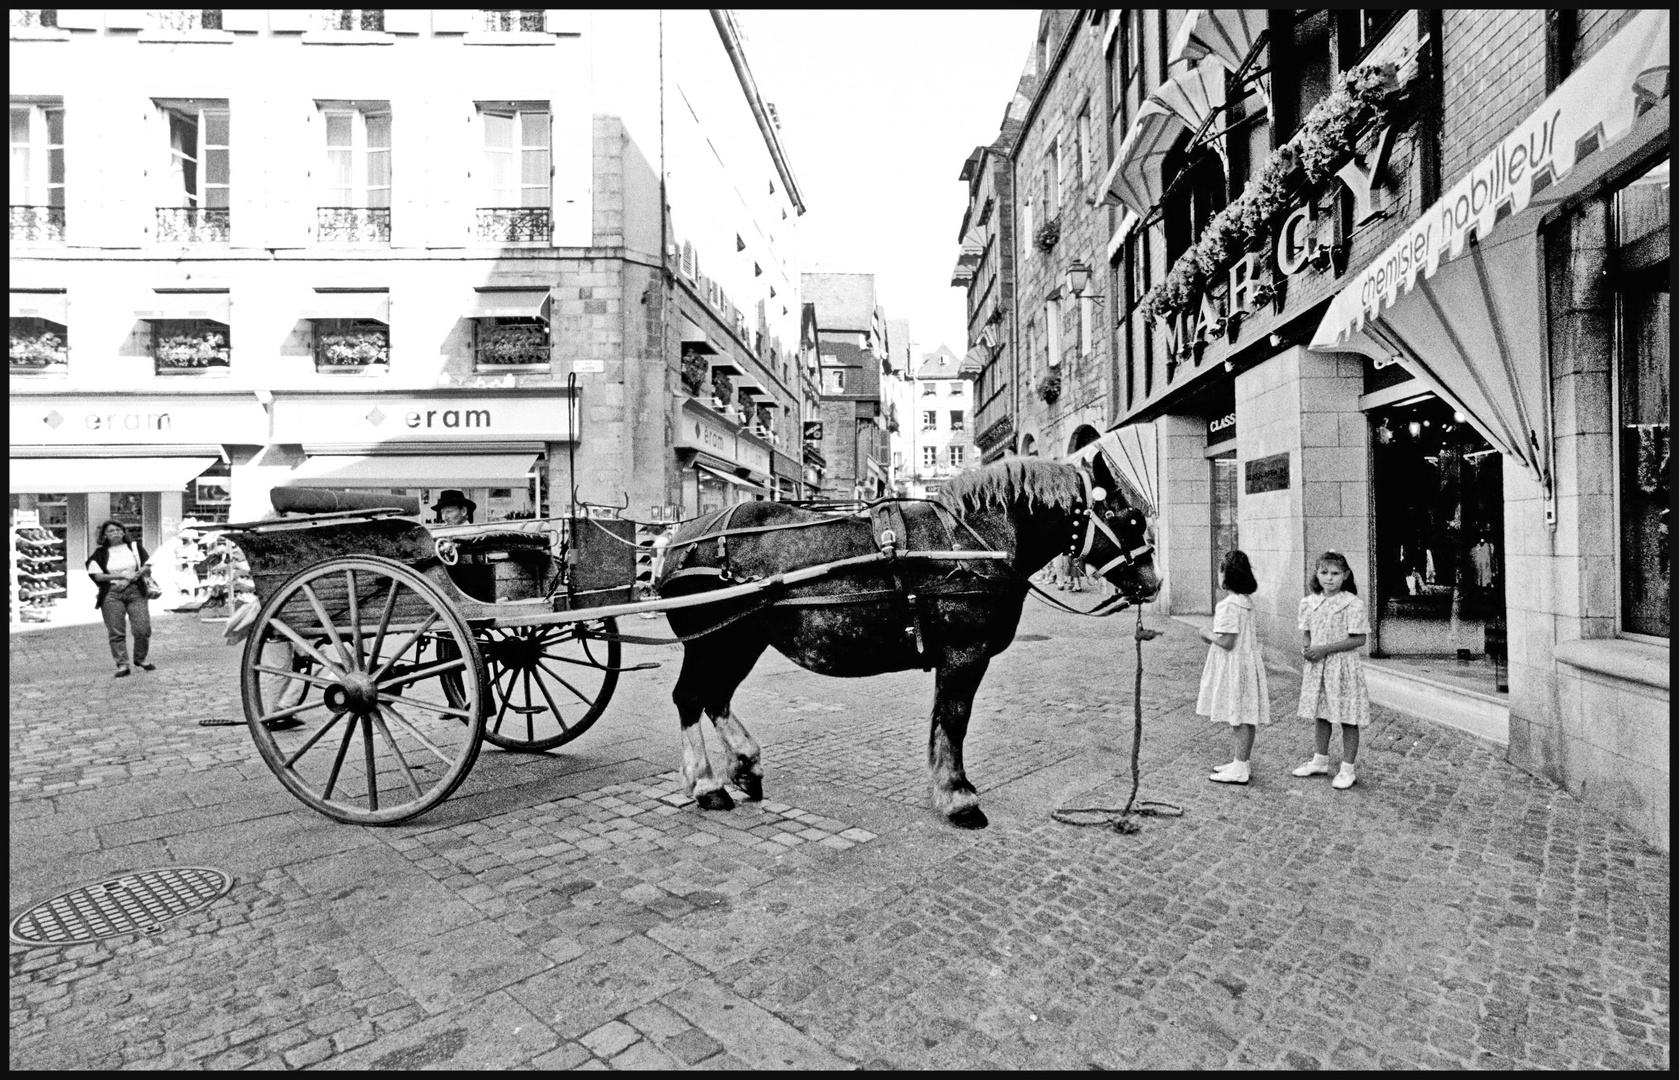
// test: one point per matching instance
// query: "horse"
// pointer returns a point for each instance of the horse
(949, 615)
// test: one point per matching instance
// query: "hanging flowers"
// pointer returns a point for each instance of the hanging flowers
(1050, 387)
(40, 350)
(194, 349)
(1047, 235)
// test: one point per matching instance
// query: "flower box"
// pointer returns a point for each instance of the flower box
(352, 350)
(190, 352)
(39, 351)
(512, 345)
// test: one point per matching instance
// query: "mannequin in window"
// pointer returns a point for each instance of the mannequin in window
(454, 508)
(1481, 556)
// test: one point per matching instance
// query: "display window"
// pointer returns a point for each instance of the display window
(1439, 525)
(1224, 537)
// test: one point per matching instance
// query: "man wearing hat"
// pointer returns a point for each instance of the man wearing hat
(454, 508)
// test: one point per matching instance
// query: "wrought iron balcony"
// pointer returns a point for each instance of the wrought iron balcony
(33, 18)
(37, 223)
(514, 224)
(352, 19)
(513, 20)
(353, 224)
(193, 224)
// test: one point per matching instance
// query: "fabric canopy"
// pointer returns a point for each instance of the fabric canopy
(206, 305)
(974, 363)
(52, 307)
(1227, 34)
(375, 306)
(1136, 177)
(80, 476)
(1127, 225)
(723, 362)
(1195, 95)
(512, 304)
(695, 339)
(453, 469)
(731, 478)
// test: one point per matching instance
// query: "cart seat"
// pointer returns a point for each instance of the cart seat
(304, 500)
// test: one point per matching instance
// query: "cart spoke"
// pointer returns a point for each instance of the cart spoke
(384, 621)
(431, 620)
(584, 698)
(331, 630)
(530, 717)
(589, 663)
(417, 674)
(300, 676)
(355, 617)
(308, 647)
(311, 740)
(501, 694)
(372, 772)
(338, 762)
(415, 731)
(291, 710)
(428, 706)
(379, 718)
(552, 707)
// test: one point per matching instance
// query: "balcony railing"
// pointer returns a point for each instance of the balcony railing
(37, 223)
(530, 21)
(511, 345)
(514, 224)
(353, 19)
(193, 224)
(187, 20)
(33, 18)
(353, 224)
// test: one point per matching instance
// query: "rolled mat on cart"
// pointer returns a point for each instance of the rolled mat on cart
(300, 500)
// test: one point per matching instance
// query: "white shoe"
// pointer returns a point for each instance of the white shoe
(1318, 766)
(1346, 778)
(1236, 772)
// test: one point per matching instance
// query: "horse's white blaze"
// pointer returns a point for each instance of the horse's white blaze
(696, 766)
(741, 745)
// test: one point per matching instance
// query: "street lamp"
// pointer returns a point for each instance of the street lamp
(1078, 280)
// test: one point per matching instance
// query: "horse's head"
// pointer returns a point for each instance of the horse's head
(1115, 543)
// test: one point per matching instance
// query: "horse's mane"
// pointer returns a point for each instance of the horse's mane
(1011, 481)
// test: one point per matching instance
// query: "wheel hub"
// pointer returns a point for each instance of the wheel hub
(520, 652)
(355, 691)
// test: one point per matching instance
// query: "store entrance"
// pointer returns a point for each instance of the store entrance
(1439, 523)
(1223, 504)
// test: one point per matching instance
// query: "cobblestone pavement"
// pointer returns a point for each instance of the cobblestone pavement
(572, 909)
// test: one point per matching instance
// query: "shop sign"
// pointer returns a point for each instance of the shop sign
(1221, 429)
(753, 456)
(162, 421)
(1267, 473)
(354, 418)
(1591, 109)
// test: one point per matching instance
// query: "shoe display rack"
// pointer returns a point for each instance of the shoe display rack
(228, 576)
(37, 572)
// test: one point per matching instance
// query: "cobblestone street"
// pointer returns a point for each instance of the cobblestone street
(573, 909)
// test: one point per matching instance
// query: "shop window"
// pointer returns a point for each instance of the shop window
(191, 346)
(1303, 70)
(516, 204)
(1643, 379)
(37, 177)
(196, 193)
(503, 342)
(355, 195)
(1225, 485)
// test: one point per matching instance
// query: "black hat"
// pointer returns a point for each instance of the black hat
(452, 497)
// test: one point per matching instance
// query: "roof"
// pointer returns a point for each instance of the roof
(939, 364)
(843, 301)
(845, 354)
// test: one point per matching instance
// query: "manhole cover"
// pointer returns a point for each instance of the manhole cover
(140, 902)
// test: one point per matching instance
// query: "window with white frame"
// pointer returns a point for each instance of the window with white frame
(358, 154)
(956, 388)
(833, 380)
(958, 420)
(1083, 149)
(929, 389)
(37, 176)
(929, 420)
(1052, 337)
(956, 455)
(516, 154)
(929, 456)
(1085, 311)
(199, 171)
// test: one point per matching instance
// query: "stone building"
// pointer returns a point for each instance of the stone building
(264, 247)
(1390, 283)
(938, 423)
(854, 348)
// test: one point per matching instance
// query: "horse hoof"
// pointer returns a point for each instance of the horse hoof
(969, 817)
(715, 800)
(751, 786)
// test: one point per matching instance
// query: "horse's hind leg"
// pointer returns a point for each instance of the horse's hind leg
(707, 683)
(746, 771)
(957, 681)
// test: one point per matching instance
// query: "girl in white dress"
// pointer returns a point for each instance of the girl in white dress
(1233, 689)
(1333, 627)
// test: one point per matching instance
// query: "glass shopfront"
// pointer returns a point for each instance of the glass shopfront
(1439, 525)
(1224, 538)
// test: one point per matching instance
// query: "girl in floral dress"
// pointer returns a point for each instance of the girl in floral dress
(1233, 689)
(1333, 627)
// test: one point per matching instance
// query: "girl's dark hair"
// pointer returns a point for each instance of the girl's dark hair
(100, 535)
(1236, 574)
(1334, 558)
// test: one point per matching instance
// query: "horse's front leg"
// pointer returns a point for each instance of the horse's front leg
(702, 784)
(953, 701)
(746, 771)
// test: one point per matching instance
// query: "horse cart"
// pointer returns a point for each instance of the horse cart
(382, 653)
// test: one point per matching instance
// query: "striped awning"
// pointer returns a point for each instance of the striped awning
(1195, 95)
(1127, 225)
(1136, 178)
(1229, 34)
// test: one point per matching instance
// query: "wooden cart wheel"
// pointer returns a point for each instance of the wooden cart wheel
(547, 684)
(345, 693)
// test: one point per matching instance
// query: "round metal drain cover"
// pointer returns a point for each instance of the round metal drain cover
(140, 902)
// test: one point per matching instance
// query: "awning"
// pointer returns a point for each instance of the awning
(1228, 34)
(1132, 453)
(80, 476)
(509, 304)
(1127, 225)
(1468, 318)
(349, 305)
(454, 468)
(724, 363)
(211, 306)
(1195, 95)
(731, 478)
(1136, 177)
(51, 306)
(694, 339)
(973, 364)
(877, 472)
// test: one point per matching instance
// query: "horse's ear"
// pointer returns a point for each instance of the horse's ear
(1100, 474)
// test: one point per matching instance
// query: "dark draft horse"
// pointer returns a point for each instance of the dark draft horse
(948, 616)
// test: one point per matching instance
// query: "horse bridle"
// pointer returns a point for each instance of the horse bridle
(1095, 502)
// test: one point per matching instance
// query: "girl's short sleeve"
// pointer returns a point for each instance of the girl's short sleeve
(1226, 619)
(1304, 613)
(92, 566)
(1358, 617)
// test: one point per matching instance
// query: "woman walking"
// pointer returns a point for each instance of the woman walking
(119, 567)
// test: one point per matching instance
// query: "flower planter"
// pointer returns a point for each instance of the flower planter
(512, 347)
(39, 353)
(191, 353)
